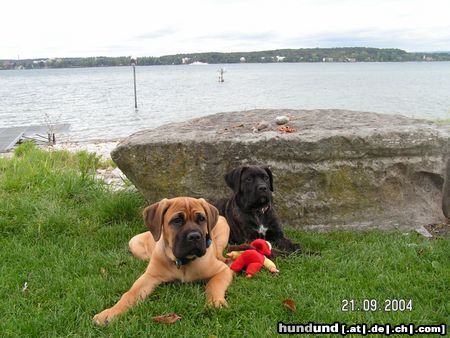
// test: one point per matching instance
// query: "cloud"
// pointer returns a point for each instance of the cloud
(411, 39)
(242, 36)
(156, 34)
(160, 28)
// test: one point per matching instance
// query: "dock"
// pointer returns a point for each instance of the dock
(10, 136)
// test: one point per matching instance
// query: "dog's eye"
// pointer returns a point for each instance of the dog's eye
(200, 218)
(249, 179)
(177, 221)
(266, 178)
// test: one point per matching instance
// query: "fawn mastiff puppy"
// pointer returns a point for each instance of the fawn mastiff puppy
(186, 240)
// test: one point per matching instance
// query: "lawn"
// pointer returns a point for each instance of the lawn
(64, 257)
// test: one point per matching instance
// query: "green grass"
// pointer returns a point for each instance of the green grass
(66, 234)
(443, 122)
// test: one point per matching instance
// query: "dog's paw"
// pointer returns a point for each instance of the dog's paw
(217, 303)
(103, 318)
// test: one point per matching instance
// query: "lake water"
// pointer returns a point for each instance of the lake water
(99, 102)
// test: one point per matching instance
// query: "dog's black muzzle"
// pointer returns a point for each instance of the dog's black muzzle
(191, 243)
(262, 195)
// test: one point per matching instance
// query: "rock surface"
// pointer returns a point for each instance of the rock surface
(339, 167)
(446, 191)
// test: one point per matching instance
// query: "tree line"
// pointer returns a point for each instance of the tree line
(350, 54)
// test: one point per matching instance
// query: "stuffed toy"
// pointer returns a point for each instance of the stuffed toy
(253, 259)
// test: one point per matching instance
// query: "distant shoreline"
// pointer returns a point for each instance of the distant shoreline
(304, 55)
(230, 63)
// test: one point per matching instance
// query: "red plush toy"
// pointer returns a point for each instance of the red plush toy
(254, 259)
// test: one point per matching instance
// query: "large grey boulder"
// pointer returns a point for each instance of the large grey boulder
(338, 168)
(446, 191)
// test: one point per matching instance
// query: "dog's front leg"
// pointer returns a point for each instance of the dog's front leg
(287, 245)
(216, 287)
(141, 288)
(283, 245)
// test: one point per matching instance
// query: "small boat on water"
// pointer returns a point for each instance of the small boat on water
(198, 63)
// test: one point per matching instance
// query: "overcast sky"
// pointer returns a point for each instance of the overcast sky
(63, 28)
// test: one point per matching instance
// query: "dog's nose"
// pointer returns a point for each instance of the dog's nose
(262, 187)
(194, 236)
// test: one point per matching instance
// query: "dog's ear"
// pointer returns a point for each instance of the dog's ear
(154, 217)
(269, 172)
(233, 178)
(212, 214)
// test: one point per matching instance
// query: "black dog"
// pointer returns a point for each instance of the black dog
(250, 212)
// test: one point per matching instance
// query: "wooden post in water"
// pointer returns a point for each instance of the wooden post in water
(221, 71)
(133, 62)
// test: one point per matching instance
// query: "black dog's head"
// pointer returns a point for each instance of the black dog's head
(252, 185)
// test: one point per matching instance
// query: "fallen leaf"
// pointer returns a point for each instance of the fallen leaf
(169, 318)
(290, 304)
(286, 129)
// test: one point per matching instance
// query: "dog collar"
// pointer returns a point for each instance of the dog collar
(208, 241)
(183, 261)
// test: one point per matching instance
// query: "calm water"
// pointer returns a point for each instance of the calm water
(99, 102)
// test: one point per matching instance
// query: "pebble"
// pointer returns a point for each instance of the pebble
(262, 125)
(280, 120)
(424, 232)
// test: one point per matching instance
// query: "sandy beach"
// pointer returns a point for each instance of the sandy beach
(101, 148)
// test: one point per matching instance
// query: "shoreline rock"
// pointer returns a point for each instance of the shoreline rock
(337, 168)
(446, 191)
